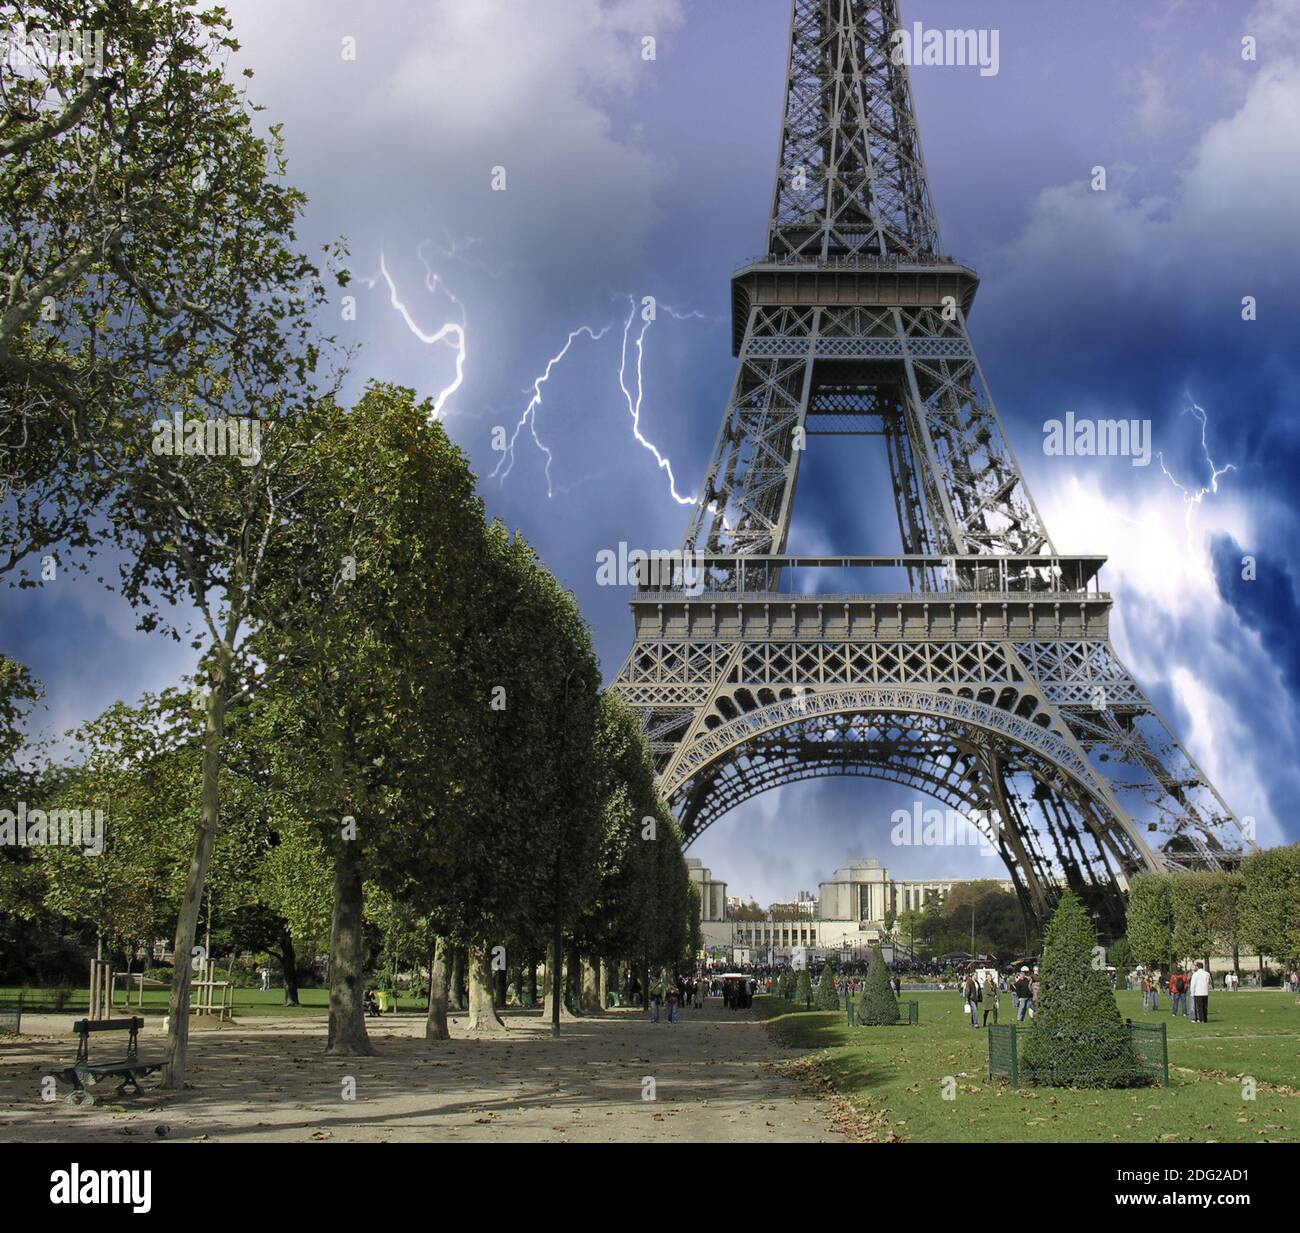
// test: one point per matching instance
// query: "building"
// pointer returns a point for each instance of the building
(713, 895)
(848, 913)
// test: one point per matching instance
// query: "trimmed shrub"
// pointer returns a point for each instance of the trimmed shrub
(877, 1007)
(827, 998)
(1077, 1038)
(803, 988)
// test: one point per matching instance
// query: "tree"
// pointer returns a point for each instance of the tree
(827, 997)
(1270, 903)
(1150, 919)
(1191, 898)
(149, 245)
(909, 927)
(803, 988)
(878, 1006)
(147, 250)
(372, 634)
(1076, 1038)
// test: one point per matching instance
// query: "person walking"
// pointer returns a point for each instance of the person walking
(266, 980)
(1035, 985)
(656, 996)
(1200, 991)
(1022, 992)
(674, 996)
(990, 998)
(971, 992)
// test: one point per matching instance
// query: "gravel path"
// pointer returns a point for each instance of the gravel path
(717, 1077)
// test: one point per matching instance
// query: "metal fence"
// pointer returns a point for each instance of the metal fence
(11, 1016)
(1092, 1057)
(909, 1013)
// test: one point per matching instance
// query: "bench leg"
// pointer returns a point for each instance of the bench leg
(129, 1086)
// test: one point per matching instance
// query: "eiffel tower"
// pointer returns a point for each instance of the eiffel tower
(976, 665)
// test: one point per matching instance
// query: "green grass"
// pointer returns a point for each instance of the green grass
(898, 1076)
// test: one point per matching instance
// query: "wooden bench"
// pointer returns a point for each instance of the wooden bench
(84, 1074)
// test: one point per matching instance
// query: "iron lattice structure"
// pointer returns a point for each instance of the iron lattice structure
(976, 665)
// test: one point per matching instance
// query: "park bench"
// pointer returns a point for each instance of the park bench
(84, 1074)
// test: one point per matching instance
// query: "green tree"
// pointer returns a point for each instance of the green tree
(1077, 1038)
(827, 997)
(149, 243)
(1150, 918)
(877, 1007)
(374, 635)
(1191, 898)
(1269, 904)
(803, 988)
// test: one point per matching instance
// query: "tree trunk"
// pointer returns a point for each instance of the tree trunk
(435, 1026)
(548, 992)
(591, 1000)
(205, 836)
(483, 1017)
(532, 980)
(501, 988)
(347, 1018)
(573, 979)
(458, 978)
(607, 980)
(289, 961)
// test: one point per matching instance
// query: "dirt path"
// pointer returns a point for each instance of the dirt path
(716, 1078)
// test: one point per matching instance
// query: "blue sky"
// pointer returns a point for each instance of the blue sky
(633, 177)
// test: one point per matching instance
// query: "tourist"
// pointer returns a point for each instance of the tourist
(990, 998)
(1178, 993)
(656, 996)
(674, 997)
(1200, 991)
(1035, 985)
(971, 992)
(697, 1000)
(1022, 992)
(266, 979)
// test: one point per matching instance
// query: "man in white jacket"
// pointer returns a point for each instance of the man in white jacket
(1200, 991)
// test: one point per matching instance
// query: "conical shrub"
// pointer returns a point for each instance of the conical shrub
(877, 1007)
(803, 988)
(1077, 1038)
(827, 998)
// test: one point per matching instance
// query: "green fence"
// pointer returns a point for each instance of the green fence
(1088, 1056)
(909, 1013)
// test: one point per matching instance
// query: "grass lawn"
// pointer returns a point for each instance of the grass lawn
(897, 1076)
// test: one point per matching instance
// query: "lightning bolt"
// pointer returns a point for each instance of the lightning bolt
(1192, 499)
(529, 416)
(634, 400)
(453, 334)
(634, 405)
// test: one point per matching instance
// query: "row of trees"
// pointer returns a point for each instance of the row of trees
(393, 701)
(1254, 909)
(943, 925)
